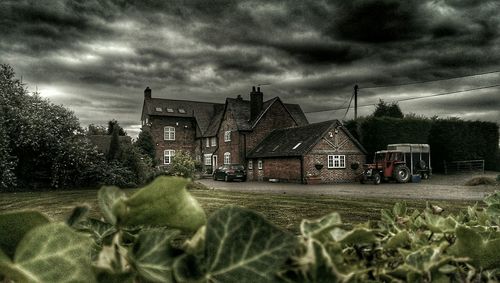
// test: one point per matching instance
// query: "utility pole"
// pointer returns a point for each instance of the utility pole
(355, 102)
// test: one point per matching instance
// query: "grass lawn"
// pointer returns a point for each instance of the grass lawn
(284, 210)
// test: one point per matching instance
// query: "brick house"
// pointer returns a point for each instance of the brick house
(323, 152)
(216, 133)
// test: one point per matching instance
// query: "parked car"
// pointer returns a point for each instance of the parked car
(229, 172)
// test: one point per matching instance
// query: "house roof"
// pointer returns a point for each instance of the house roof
(241, 112)
(205, 113)
(209, 115)
(296, 141)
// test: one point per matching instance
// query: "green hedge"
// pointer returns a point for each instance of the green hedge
(450, 139)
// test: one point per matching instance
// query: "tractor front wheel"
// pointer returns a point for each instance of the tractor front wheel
(402, 174)
(376, 178)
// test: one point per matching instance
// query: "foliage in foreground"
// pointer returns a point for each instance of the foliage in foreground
(142, 239)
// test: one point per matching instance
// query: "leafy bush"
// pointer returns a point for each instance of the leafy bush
(183, 165)
(480, 181)
(139, 242)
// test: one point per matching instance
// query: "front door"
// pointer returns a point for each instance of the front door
(214, 163)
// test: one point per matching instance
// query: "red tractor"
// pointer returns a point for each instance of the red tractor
(388, 165)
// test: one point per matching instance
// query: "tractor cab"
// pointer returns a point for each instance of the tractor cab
(387, 164)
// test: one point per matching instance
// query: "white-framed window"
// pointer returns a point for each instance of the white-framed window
(227, 158)
(336, 161)
(259, 164)
(168, 154)
(169, 133)
(227, 136)
(207, 142)
(208, 159)
(213, 141)
(250, 165)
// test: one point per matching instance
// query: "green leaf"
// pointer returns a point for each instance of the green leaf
(439, 224)
(51, 253)
(312, 228)
(164, 202)
(13, 227)
(483, 253)
(399, 240)
(107, 197)
(494, 198)
(355, 236)
(153, 256)
(399, 209)
(77, 215)
(494, 210)
(242, 246)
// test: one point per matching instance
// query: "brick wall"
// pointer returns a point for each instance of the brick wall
(284, 169)
(334, 144)
(185, 135)
(233, 146)
(275, 118)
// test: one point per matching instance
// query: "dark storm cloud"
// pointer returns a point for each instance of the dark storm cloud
(102, 54)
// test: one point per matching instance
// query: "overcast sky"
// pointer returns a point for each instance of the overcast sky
(97, 56)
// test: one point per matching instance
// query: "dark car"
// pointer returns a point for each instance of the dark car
(229, 172)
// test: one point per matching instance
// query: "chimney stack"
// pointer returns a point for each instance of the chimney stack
(147, 93)
(256, 103)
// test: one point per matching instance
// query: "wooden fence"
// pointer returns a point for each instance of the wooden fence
(464, 166)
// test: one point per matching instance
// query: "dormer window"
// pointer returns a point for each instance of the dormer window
(182, 111)
(170, 110)
(158, 109)
(169, 133)
(213, 141)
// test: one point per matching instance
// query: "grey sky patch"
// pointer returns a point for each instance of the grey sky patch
(96, 57)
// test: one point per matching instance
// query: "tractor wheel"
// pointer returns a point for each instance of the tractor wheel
(402, 174)
(376, 179)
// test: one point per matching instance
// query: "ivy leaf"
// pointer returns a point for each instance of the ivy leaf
(439, 224)
(355, 236)
(77, 215)
(107, 197)
(494, 210)
(153, 256)
(399, 240)
(492, 199)
(51, 253)
(482, 253)
(242, 246)
(164, 202)
(399, 209)
(13, 227)
(312, 228)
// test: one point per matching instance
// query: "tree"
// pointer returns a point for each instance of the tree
(114, 124)
(43, 142)
(145, 143)
(114, 145)
(388, 110)
(96, 130)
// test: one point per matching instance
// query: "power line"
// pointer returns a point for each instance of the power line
(413, 98)
(429, 81)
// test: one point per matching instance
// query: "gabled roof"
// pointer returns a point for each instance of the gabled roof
(205, 113)
(209, 116)
(297, 141)
(241, 112)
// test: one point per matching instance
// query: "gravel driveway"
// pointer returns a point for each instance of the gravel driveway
(438, 187)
